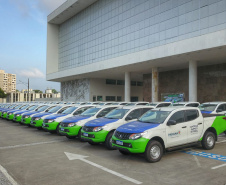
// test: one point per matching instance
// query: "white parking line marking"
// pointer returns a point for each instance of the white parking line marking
(197, 161)
(31, 144)
(213, 168)
(71, 156)
(10, 179)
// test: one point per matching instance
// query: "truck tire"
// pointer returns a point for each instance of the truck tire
(92, 143)
(154, 151)
(58, 129)
(108, 141)
(208, 141)
(39, 128)
(225, 132)
(79, 134)
(124, 152)
(70, 137)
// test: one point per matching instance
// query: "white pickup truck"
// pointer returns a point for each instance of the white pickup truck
(168, 128)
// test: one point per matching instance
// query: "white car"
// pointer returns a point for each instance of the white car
(71, 127)
(213, 107)
(186, 104)
(159, 104)
(168, 128)
(101, 130)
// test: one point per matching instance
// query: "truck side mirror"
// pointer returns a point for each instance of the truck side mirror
(129, 118)
(171, 122)
(219, 110)
(100, 115)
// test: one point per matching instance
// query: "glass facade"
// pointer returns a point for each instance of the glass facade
(112, 28)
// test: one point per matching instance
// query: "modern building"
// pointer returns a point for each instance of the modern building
(7, 82)
(23, 96)
(138, 49)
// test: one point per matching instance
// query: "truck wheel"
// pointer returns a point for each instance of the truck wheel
(70, 137)
(225, 132)
(108, 141)
(58, 129)
(79, 134)
(208, 141)
(92, 143)
(39, 128)
(154, 151)
(124, 152)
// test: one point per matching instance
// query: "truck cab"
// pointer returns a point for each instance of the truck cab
(101, 130)
(168, 128)
(213, 108)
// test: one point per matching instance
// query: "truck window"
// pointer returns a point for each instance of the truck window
(135, 114)
(178, 117)
(222, 107)
(191, 115)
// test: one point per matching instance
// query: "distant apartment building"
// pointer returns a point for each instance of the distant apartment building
(7, 82)
(24, 96)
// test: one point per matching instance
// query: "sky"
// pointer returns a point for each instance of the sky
(23, 33)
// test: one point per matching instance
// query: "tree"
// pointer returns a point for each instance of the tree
(2, 94)
(54, 91)
(37, 91)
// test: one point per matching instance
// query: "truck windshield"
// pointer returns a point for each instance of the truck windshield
(177, 104)
(90, 112)
(207, 107)
(40, 109)
(117, 114)
(152, 104)
(32, 107)
(53, 110)
(154, 116)
(69, 110)
(130, 104)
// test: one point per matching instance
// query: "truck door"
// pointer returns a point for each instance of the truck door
(177, 134)
(194, 124)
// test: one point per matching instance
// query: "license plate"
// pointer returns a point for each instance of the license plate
(31, 121)
(22, 120)
(119, 142)
(62, 129)
(85, 134)
(43, 125)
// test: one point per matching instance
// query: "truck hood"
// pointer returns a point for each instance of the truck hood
(54, 116)
(100, 122)
(136, 127)
(21, 112)
(74, 119)
(42, 114)
(12, 111)
(30, 113)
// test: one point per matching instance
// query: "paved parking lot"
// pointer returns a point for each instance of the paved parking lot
(34, 157)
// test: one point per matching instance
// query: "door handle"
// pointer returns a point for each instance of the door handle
(184, 127)
(199, 123)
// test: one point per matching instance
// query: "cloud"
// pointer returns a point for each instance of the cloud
(31, 73)
(36, 9)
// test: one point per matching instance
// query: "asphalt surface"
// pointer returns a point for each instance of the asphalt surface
(35, 157)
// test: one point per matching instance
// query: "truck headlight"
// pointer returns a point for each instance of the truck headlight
(26, 116)
(71, 124)
(51, 120)
(18, 115)
(136, 136)
(97, 129)
(10, 113)
(37, 119)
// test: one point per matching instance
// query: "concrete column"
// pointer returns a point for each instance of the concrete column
(192, 80)
(155, 84)
(127, 86)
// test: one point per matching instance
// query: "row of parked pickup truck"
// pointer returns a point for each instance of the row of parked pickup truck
(149, 129)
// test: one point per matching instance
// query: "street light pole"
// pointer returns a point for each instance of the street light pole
(28, 90)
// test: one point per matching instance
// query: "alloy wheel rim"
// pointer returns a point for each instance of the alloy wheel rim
(155, 152)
